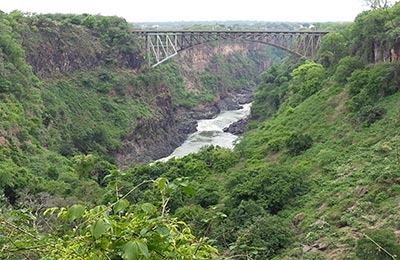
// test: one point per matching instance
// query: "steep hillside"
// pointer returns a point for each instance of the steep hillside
(348, 164)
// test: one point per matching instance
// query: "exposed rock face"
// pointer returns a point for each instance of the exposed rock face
(245, 96)
(206, 111)
(155, 137)
(72, 49)
(385, 53)
(237, 128)
(195, 61)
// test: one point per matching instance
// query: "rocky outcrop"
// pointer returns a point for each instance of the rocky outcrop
(156, 137)
(237, 128)
(193, 62)
(54, 49)
(383, 52)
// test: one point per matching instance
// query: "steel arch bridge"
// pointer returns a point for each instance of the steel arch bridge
(163, 45)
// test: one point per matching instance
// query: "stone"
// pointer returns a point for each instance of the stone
(363, 191)
(320, 246)
(228, 103)
(187, 127)
(298, 218)
(307, 248)
(237, 128)
(245, 98)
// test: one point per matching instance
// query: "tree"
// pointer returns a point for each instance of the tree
(306, 80)
(346, 67)
(375, 4)
(334, 46)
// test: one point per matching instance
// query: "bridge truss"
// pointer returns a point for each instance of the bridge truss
(163, 45)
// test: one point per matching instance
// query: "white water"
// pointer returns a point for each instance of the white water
(209, 132)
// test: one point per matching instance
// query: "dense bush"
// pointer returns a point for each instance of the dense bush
(370, 114)
(375, 32)
(346, 67)
(270, 185)
(119, 230)
(334, 47)
(263, 239)
(272, 89)
(298, 143)
(369, 85)
(307, 80)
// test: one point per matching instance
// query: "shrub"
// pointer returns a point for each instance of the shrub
(307, 80)
(298, 143)
(272, 186)
(346, 67)
(369, 114)
(263, 239)
(369, 85)
(333, 48)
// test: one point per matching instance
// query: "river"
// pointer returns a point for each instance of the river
(209, 132)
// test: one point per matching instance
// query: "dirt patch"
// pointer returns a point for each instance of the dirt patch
(3, 140)
(339, 103)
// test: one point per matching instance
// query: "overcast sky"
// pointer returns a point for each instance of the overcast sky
(198, 10)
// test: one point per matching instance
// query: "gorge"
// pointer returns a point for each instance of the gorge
(314, 176)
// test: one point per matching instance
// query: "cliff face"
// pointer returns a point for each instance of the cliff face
(54, 49)
(156, 137)
(385, 53)
(195, 61)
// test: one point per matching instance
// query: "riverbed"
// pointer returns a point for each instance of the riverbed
(210, 132)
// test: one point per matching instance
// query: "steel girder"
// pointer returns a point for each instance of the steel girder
(163, 45)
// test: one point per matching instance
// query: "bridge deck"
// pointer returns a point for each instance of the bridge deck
(229, 31)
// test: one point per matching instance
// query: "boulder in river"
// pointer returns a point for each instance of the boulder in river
(237, 128)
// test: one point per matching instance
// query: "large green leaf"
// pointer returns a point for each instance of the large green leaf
(131, 251)
(148, 208)
(135, 250)
(162, 183)
(189, 190)
(143, 248)
(99, 228)
(75, 212)
(121, 206)
(163, 231)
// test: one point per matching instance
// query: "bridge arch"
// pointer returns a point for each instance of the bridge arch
(163, 45)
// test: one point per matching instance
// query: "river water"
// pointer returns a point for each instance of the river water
(209, 132)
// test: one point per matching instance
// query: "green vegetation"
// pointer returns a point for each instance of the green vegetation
(315, 177)
(119, 231)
